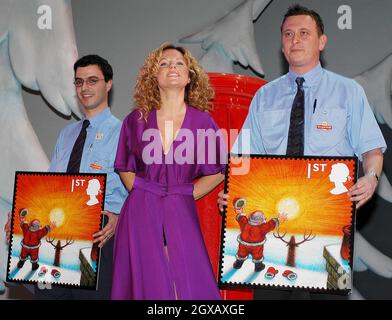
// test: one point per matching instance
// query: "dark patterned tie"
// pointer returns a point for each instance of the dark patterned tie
(295, 143)
(77, 150)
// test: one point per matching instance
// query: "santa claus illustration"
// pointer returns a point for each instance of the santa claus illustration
(252, 237)
(32, 235)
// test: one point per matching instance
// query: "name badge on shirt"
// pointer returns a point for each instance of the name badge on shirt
(95, 166)
(324, 126)
(99, 136)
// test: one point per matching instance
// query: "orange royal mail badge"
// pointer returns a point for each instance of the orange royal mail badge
(95, 166)
(324, 126)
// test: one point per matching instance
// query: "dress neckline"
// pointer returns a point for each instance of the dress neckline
(155, 117)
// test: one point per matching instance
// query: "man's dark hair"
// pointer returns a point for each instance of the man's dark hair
(297, 10)
(94, 59)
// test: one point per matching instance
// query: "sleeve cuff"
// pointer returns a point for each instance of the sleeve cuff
(375, 144)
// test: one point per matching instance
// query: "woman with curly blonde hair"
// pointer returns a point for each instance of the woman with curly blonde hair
(198, 91)
(159, 251)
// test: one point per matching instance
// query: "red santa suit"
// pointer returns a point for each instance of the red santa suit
(252, 237)
(32, 241)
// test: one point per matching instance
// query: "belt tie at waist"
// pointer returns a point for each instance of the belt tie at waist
(163, 190)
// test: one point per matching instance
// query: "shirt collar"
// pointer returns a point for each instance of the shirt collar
(312, 77)
(99, 118)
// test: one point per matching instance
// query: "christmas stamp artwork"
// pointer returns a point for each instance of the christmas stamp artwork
(289, 223)
(54, 216)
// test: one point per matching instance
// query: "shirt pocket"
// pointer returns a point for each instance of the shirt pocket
(274, 128)
(328, 130)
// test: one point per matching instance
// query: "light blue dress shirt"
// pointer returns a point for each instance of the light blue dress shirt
(98, 156)
(338, 118)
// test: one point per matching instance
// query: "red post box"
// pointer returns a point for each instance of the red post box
(233, 95)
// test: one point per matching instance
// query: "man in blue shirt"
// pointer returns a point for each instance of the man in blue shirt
(336, 117)
(93, 82)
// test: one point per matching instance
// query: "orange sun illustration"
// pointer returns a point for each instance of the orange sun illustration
(51, 200)
(292, 187)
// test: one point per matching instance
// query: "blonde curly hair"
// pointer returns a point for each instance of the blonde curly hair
(198, 92)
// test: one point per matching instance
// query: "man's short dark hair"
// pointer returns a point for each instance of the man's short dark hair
(297, 10)
(94, 59)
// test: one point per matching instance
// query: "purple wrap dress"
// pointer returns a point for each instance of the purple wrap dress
(161, 206)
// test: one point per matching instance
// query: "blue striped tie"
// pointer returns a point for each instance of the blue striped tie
(295, 142)
(77, 150)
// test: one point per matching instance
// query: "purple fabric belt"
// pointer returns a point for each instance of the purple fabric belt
(163, 190)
